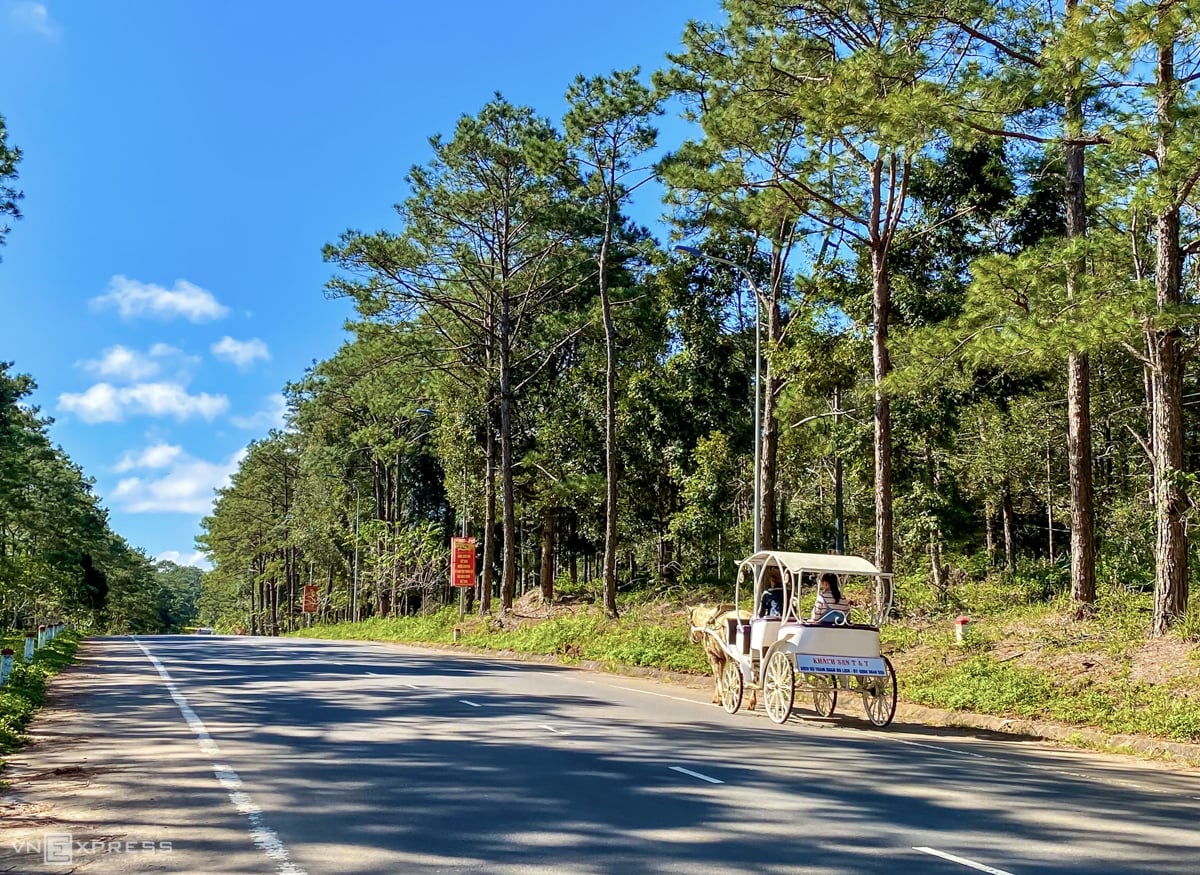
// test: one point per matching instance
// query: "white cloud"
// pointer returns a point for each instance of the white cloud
(186, 487)
(240, 352)
(133, 299)
(156, 456)
(122, 363)
(34, 17)
(272, 415)
(104, 402)
(197, 559)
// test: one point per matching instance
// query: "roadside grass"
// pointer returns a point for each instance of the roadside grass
(985, 686)
(25, 690)
(640, 637)
(1026, 654)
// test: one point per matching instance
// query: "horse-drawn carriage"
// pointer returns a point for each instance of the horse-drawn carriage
(775, 650)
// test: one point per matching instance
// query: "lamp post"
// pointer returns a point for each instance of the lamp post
(745, 272)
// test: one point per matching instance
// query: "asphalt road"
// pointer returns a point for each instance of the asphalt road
(245, 755)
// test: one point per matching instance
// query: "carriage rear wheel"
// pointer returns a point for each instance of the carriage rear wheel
(732, 687)
(824, 692)
(779, 685)
(879, 696)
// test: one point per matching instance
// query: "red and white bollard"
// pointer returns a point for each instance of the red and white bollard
(5, 664)
(30, 641)
(960, 627)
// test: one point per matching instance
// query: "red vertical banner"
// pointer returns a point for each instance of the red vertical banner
(311, 596)
(462, 561)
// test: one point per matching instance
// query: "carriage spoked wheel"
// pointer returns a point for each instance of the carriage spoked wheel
(732, 687)
(879, 696)
(824, 692)
(779, 685)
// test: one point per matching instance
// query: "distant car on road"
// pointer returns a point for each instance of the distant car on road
(204, 630)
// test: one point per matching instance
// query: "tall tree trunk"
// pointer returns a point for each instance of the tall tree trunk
(768, 510)
(1166, 365)
(610, 428)
(547, 570)
(573, 554)
(1049, 508)
(884, 555)
(937, 570)
(253, 612)
(1079, 419)
(839, 511)
(489, 521)
(1010, 528)
(989, 528)
(508, 566)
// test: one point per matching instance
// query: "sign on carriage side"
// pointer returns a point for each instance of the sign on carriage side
(814, 663)
(462, 562)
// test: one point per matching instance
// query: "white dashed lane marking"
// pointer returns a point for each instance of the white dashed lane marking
(697, 775)
(962, 861)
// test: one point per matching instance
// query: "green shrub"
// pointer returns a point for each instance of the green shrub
(25, 690)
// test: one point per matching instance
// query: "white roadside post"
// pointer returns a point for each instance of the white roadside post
(6, 656)
(41, 637)
(960, 628)
(30, 640)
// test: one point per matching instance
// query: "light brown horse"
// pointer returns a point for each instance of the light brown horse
(705, 622)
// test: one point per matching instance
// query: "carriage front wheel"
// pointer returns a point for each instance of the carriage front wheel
(879, 696)
(731, 687)
(779, 685)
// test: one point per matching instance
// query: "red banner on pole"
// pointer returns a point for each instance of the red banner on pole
(311, 597)
(462, 561)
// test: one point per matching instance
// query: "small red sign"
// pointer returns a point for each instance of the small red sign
(311, 597)
(462, 562)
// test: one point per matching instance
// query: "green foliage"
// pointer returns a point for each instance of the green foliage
(984, 685)
(10, 156)
(58, 556)
(25, 690)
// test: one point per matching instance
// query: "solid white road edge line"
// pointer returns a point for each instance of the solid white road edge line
(962, 860)
(697, 775)
(264, 838)
(652, 693)
(965, 753)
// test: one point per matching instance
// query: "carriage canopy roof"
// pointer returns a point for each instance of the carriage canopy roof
(818, 562)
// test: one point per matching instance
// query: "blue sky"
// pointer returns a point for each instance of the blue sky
(184, 164)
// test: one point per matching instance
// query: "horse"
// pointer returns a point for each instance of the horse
(705, 622)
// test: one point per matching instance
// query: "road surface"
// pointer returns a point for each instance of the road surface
(257, 755)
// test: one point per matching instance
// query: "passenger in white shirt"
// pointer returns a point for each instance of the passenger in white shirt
(830, 599)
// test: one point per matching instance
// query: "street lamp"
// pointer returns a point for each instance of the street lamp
(354, 596)
(744, 271)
